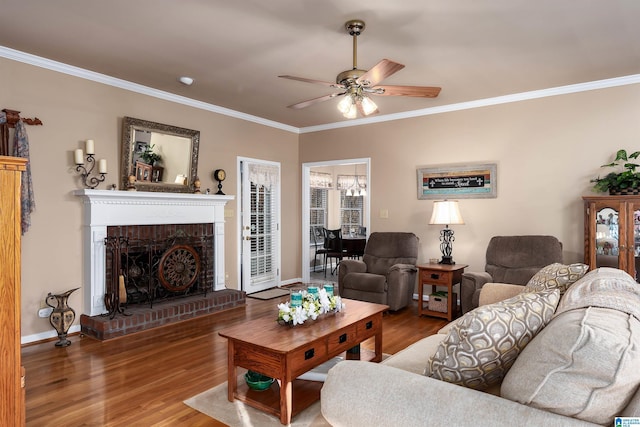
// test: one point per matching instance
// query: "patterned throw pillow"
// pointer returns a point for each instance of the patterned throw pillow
(556, 276)
(481, 347)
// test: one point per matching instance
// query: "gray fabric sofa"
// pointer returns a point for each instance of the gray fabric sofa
(387, 272)
(396, 391)
(509, 259)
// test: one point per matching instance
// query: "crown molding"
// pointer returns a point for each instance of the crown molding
(60, 67)
(516, 97)
(71, 70)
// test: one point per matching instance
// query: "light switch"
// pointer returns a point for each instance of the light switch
(384, 213)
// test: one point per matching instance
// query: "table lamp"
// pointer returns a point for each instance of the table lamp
(446, 212)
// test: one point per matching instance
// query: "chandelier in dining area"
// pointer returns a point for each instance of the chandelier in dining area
(354, 185)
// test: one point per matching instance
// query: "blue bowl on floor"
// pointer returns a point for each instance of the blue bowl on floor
(257, 381)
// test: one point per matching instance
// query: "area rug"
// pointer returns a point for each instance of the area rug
(215, 404)
(269, 294)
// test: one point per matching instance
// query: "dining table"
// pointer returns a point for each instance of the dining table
(353, 245)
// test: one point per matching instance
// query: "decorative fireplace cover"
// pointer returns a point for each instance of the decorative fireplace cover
(179, 268)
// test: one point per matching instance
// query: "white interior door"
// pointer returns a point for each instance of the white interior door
(260, 225)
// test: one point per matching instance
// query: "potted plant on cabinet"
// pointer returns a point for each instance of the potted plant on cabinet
(149, 156)
(623, 182)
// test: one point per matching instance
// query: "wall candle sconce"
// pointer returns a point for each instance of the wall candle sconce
(78, 157)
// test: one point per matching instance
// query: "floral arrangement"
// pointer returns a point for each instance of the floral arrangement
(312, 306)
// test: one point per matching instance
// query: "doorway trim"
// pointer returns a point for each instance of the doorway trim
(306, 172)
(240, 217)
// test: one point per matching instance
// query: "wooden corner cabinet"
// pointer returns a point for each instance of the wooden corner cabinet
(12, 392)
(612, 232)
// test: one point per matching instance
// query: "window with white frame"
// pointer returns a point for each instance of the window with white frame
(317, 211)
(352, 190)
(351, 208)
(320, 183)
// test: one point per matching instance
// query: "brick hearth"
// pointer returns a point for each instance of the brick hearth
(144, 317)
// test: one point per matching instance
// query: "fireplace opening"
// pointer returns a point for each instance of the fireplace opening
(154, 263)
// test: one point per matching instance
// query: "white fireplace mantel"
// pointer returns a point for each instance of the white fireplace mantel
(103, 208)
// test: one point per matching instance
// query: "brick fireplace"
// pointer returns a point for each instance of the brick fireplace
(156, 218)
(159, 262)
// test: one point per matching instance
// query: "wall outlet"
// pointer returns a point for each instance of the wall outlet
(384, 213)
(45, 312)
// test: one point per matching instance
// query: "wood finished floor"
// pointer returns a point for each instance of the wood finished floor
(142, 379)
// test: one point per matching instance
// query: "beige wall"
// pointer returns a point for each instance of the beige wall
(546, 150)
(74, 110)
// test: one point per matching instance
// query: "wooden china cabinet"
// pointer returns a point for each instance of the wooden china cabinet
(12, 409)
(612, 232)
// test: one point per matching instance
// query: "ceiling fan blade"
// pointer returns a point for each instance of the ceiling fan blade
(417, 91)
(309, 102)
(318, 82)
(379, 72)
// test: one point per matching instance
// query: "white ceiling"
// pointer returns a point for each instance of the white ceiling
(473, 49)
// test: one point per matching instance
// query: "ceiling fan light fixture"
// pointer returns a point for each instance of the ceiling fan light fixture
(357, 84)
(353, 111)
(345, 104)
(368, 106)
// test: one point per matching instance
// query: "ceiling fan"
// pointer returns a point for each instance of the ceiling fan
(356, 85)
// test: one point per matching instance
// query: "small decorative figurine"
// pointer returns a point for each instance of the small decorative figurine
(131, 185)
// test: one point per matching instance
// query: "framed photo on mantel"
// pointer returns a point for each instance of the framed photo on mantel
(470, 181)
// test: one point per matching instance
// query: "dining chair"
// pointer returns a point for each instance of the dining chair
(318, 244)
(333, 245)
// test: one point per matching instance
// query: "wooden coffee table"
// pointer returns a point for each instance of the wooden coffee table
(285, 352)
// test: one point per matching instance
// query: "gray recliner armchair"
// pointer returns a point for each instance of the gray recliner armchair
(387, 272)
(510, 259)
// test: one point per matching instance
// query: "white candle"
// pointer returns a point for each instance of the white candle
(102, 165)
(79, 157)
(89, 146)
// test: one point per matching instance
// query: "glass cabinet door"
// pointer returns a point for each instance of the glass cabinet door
(607, 238)
(612, 233)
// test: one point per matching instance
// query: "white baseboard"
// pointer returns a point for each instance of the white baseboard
(424, 297)
(27, 339)
(291, 281)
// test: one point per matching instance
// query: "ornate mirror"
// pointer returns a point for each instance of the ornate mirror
(161, 157)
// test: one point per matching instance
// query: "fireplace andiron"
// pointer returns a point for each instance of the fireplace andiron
(62, 316)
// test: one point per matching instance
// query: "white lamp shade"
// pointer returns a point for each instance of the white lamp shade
(368, 106)
(352, 113)
(345, 104)
(446, 212)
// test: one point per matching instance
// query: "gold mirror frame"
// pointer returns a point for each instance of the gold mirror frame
(129, 127)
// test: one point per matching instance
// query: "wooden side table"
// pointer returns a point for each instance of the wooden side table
(439, 275)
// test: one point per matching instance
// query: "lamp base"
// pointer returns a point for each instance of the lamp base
(446, 260)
